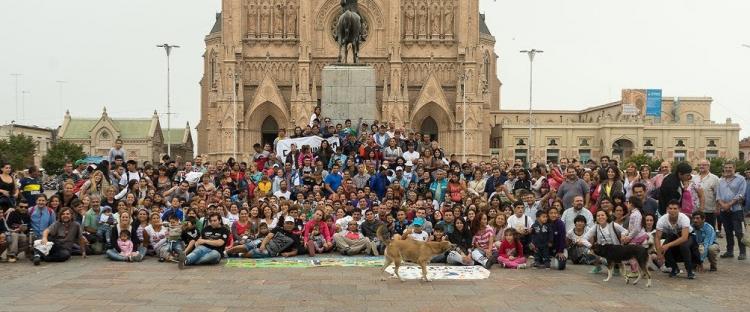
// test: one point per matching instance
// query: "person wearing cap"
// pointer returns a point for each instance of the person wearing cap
(416, 231)
(80, 168)
(281, 241)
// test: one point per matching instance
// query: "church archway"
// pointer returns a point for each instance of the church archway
(269, 130)
(429, 126)
(622, 148)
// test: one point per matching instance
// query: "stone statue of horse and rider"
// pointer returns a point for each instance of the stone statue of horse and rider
(349, 31)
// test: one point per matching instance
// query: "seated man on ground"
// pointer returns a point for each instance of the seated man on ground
(282, 241)
(210, 247)
(351, 241)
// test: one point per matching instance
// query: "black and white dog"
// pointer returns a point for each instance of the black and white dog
(619, 253)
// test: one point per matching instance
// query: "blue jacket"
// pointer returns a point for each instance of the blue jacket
(705, 236)
(379, 183)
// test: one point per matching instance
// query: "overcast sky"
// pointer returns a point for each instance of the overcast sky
(105, 51)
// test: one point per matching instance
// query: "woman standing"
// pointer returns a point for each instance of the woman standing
(632, 176)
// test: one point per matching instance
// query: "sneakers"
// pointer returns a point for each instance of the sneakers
(345, 252)
(596, 270)
(11, 259)
(674, 272)
(181, 260)
(741, 257)
(727, 255)
(713, 268)
(37, 259)
(691, 275)
(521, 266)
(616, 271)
(161, 259)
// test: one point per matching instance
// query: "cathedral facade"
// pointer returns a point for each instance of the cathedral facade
(434, 62)
(435, 67)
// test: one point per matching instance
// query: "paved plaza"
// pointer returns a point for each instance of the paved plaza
(96, 284)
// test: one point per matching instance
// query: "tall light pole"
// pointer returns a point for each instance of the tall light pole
(462, 78)
(168, 48)
(16, 76)
(60, 84)
(531, 53)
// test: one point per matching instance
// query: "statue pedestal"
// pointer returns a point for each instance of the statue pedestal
(348, 92)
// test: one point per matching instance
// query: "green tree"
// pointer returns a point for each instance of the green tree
(61, 152)
(717, 165)
(641, 159)
(18, 150)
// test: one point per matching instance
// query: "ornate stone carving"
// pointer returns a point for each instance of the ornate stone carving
(291, 19)
(435, 15)
(252, 17)
(448, 17)
(409, 16)
(278, 22)
(422, 18)
(265, 17)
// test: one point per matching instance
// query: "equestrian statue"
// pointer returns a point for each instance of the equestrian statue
(349, 31)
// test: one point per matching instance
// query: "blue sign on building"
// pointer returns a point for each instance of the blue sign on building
(653, 102)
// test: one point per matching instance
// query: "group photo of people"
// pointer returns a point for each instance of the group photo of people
(378, 179)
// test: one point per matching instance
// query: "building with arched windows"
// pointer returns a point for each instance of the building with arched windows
(436, 73)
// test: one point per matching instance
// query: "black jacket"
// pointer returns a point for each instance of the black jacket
(114, 235)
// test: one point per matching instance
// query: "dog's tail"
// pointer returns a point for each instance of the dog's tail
(385, 239)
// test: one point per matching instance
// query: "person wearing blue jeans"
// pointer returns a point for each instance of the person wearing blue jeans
(280, 242)
(209, 247)
(729, 195)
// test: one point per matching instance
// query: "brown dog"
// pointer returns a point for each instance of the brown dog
(412, 251)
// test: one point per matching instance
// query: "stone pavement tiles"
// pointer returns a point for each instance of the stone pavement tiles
(96, 284)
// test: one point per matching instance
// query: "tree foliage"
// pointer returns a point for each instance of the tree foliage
(641, 159)
(717, 165)
(61, 152)
(18, 150)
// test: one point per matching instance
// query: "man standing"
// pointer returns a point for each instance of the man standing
(31, 186)
(66, 175)
(210, 247)
(708, 182)
(572, 186)
(729, 195)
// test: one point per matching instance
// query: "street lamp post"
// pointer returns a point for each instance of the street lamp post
(168, 48)
(531, 53)
(462, 78)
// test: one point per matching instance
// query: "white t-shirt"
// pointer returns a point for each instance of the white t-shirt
(280, 194)
(413, 156)
(683, 221)
(422, 237)
(523, 222)
(127, 176)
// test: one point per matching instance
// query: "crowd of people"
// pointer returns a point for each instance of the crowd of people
(336, 198)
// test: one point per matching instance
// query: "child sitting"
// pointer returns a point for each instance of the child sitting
(106, 220)
(511, 251)
(541, 240)
(174, 239)
(189, 234)
(317, 238)
(126, 246)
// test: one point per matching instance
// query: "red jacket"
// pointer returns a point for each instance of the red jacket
(323, 227)
(505, 246)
